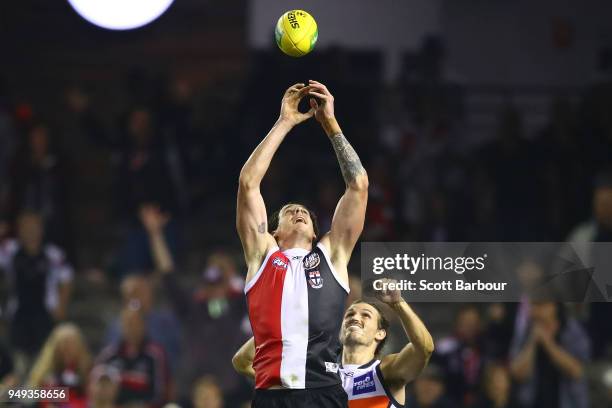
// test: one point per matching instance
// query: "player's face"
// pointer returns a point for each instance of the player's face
(360, 326)
(68, 347)
(602, 205)
(294, 217)
(30, 230)
(207, 396)
(133, 326)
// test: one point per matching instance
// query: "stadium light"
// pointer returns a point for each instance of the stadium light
(120, 14)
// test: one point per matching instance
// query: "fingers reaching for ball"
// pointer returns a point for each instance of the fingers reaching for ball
(324, 111)
(321, 105)
(320, 87)
(389, 296)
(291, 100)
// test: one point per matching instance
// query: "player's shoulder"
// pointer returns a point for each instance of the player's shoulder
(325, 245)
(268, 254)
(385, 361)
(337, 260)
(257, 264)
(392, 381)
(257, 257)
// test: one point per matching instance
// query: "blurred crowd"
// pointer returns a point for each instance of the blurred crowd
(170, 152)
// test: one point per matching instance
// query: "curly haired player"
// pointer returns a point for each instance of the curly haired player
(369, 379)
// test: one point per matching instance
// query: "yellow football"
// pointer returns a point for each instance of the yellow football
(296, 33)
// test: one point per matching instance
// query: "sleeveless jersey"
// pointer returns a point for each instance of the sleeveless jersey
(296, 303)
(365, 386)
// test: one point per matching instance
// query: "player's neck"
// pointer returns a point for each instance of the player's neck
(294, 241)
(357, 355)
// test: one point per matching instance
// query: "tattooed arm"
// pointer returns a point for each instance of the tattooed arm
(349, 216)
(251, 217)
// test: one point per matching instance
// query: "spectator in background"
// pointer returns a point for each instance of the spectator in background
(461, 356)
(137, 291)
(380, 217)
(64, 361)
(562, 170)
(141, 363)
(509, 163)
(215, 308)
(175, 111)
(40, 281)
(144, 174)
(40, 181)
(207, 393)
(500, 325)
(8, 377)
(433, 93)
(134, 254)
(429, 390)
(497, 387)
(81, 127)
(103, 387)
(547, 361)
(607, 383)
(599, 229)
(8, 140)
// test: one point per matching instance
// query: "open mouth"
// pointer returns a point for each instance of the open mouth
(354, 326)
(300, 219)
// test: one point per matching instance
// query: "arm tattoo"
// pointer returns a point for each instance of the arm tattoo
(261, 228)
(350, 165)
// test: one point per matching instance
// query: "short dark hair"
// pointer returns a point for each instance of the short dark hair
(383, 322)
(274, 218)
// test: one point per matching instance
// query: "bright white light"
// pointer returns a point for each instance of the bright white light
(120, 14)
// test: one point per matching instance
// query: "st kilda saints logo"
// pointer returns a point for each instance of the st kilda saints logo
(314, 279)
(313, 275)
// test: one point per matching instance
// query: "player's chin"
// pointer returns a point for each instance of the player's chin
(303, 229)
(352, 336)
(353, 333)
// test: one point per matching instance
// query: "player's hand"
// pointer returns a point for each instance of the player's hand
(324, 107)
(152, 218)
(543, 335)
(289, 105)
(387, 296)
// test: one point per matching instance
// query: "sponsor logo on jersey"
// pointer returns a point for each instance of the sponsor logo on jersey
(315, 280)
(331, 367)
(296, 257)
(312, 260)
(279, 262)
(364, 384)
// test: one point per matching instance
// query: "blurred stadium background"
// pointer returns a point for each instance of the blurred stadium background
(476, 120)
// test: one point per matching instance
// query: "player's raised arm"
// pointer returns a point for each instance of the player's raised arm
(251, 217)
(349, 216)
(405, 366)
